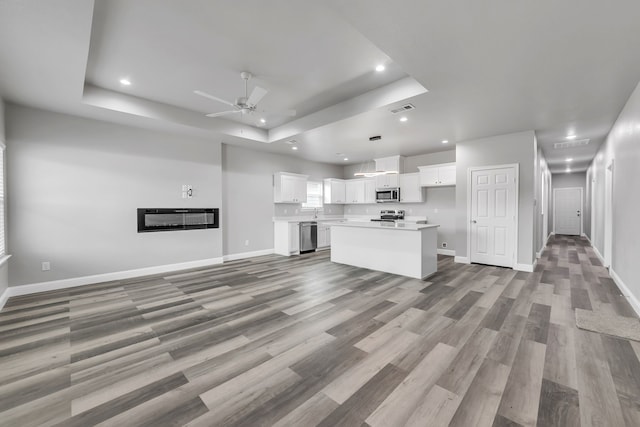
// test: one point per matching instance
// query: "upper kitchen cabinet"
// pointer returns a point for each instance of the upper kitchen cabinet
(360, 191)
(334, 191)
(438, 175)
(393, 164)
(390, 164)
(354, 191)
(369, 190)
(289, 188)
(387, 181)
(410, 188)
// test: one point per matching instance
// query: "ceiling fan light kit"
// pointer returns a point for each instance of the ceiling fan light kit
(246, 104)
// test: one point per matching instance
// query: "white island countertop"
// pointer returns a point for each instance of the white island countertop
(381, 225)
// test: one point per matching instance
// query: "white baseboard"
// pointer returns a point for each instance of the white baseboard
(633, 301)
(599, 255)
(449, 252)
(243, 255)
(525, 267)
(588, 239)
(3, 298)
(462, 260)
(53, 285)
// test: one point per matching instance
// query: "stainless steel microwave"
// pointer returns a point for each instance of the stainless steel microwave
(388, 195)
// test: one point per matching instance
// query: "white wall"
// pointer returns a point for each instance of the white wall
(74, 186)
(4, 270)
(248, 207)
(439, 205)
(517, 148)
(543, 209)
(623, 148)
(572, 180)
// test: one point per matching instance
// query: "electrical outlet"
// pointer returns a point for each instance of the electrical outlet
(410, 210)
(246, 243)
(444, 244)
(285, 211)
(46, 266)
(435, 210)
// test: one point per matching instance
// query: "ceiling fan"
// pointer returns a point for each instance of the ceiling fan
(246, 104)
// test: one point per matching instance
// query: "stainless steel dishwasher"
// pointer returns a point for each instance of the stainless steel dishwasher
(308, 236)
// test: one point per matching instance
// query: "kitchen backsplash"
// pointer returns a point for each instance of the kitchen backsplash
(281, 209)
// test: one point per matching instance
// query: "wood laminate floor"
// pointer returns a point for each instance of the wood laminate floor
(302, 342)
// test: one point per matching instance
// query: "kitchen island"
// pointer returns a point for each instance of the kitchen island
(400, 248)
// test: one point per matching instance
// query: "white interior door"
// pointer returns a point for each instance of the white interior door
(493, 216)
(567, 206)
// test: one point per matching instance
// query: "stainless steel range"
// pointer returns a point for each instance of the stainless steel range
(390, 215)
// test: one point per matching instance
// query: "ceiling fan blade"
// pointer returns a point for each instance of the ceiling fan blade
(223, 113)
(257, 94)
(214, 98)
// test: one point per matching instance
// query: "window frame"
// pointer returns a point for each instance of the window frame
(312, 208)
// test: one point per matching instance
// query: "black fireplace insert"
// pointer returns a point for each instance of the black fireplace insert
(176, 219)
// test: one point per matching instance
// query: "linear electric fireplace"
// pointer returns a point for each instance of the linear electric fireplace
(176, 219)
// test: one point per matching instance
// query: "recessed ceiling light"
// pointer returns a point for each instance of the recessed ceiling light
(445, 141)
(379, 67)
(345, 159)
(263, 121)
(294, 148)
(403, 119)
(568, 159)
(125, 82)
(571, 136)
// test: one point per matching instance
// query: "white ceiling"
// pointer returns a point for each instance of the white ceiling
(490, 68)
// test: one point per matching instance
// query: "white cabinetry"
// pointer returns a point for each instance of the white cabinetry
(334, 191)
(387, 181)
(410, 189)
(390, 164)
(324, 236)
(438, 175)
(286, 237)
(355, 191)
(360, 191)
(289, 188)
(369, 190)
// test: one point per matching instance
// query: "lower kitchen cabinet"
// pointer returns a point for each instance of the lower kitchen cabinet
(324, 236)
(286, 238)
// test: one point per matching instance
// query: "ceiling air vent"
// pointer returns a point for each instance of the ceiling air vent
(571, 144)
(405, 107)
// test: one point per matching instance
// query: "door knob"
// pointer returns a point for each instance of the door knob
(474, 221)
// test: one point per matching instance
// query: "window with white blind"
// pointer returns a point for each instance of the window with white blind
(2, 233)
(314, 195)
